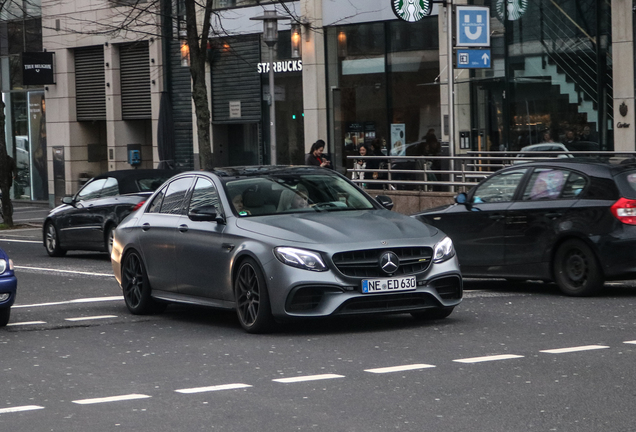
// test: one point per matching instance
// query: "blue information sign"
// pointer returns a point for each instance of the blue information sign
(473, 26)
(473, 58)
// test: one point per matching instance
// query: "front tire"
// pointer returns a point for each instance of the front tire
(433, 314)
(136, 288)
(576, 269)
(109, 237)
(5, 314)
(252, 299)
(52, 241)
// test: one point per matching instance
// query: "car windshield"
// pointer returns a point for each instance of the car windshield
(294, 193)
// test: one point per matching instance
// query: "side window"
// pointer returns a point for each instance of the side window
(111, 187)
(545, 184)
(155, 205)
(500, 188)
(175, 194)
(204, 194)
(574, 186)
(91, 190)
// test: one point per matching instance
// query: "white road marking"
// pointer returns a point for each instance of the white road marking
(64, 271)
(83, 300)
(110, 399)
(91, 318)
(399, 368)
(307, 378)
(213, 388)
(20, 241)
(26, 323)
(630, 342)
(574, 349)
(20, 408)
(20, 230)
(488, 358)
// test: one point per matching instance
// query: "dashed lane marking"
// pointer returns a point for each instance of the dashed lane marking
(82, 300)
(213, 388)
(574, 349)
(630, 342)
(20, 241)
(91, 318)
(20, 408)
(111, 399)
(488, 358)
(307, 378)
(399, 368)
(26, 323)
(64, 271)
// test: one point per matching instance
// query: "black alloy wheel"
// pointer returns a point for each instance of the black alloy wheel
(252, 299)
(52, 242)
(576, 269)
(5, 314)
(433, 314)
(134, 283)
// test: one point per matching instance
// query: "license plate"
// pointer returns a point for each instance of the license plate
(406, 283)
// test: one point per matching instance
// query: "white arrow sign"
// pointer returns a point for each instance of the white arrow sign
(485, 58)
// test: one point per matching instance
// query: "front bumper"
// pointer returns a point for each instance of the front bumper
(301, 293)
(8, 285)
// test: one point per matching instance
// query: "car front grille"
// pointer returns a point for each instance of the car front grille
(365, 263)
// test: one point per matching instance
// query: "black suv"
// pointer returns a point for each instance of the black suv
(571, 221)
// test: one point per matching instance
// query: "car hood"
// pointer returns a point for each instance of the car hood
(338, 227)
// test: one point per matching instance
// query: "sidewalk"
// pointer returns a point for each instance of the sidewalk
(30, 212)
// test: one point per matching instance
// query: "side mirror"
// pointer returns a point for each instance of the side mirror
(68, 200)
(385, 201)
(204, 213)
(462, 198)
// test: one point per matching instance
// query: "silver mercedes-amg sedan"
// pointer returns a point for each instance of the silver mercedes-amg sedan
(278, 243)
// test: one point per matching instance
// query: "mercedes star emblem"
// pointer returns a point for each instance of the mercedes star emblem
(389, 262)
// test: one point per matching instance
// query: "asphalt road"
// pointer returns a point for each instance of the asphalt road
(73, 359)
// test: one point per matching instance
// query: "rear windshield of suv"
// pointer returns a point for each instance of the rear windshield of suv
(627, 184)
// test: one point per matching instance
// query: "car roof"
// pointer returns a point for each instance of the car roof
(126, 178)
(595, 166)
(543, 146)
(264, 170)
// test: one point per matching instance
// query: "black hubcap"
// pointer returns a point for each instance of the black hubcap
(132, 280)
(576, 267)
(247, 295)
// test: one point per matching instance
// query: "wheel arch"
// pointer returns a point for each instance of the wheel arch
(573, 236)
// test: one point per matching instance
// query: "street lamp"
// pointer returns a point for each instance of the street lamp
(270, 37)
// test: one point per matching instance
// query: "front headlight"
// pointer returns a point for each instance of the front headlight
(3, 265)
(443, 250)
(300, 258)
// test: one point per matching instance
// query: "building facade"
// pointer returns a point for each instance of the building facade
(363, 75)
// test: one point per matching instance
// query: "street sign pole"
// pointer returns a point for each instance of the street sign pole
(451, 89)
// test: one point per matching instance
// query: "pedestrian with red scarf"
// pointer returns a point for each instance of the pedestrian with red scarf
(315, 157)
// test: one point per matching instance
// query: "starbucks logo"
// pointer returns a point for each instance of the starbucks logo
(515, 9)
(411, 10)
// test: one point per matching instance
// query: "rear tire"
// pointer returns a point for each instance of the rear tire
(52, 241)
(433, 314)
(576, 269)
(136, 288)
(252, 299)
(5, 314)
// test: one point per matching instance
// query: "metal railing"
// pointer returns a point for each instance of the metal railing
(432, 173)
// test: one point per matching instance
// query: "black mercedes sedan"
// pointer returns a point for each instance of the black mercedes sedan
(86, 221)
(571, 221)
(281, 243)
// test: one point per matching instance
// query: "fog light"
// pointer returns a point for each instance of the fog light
(4, 296)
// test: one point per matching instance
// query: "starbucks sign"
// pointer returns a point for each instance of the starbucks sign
(515, 9)
(411, 10)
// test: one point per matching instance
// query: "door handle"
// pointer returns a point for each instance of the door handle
(183, 228)
(496, 216)
(554, 215)
(145, 227)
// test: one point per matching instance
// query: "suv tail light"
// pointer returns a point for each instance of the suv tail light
(138, 206)
(625, 211)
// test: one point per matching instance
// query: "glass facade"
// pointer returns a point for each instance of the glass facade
(383, 87)
(25, 131)
(551, 78)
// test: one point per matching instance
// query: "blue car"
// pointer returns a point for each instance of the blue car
(8, 287)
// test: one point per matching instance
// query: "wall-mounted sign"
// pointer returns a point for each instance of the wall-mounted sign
(37, 68)
(514, 9)
(235, 109)
(473, 26)
(282, 66)
(411, 10)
